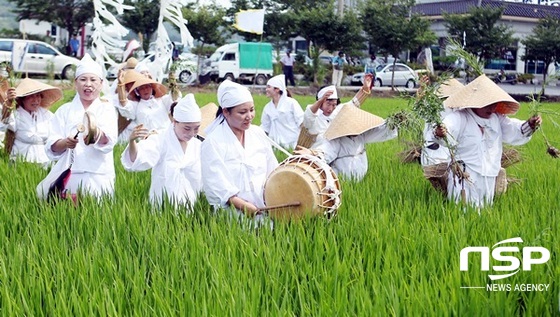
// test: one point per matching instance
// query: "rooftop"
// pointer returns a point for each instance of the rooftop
(512, 9)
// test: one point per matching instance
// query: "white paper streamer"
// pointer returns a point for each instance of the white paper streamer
(101, 37)
(170, 10)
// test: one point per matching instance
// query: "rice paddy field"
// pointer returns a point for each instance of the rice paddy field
(392, 250)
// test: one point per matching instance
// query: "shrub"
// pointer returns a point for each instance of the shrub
(525, 78)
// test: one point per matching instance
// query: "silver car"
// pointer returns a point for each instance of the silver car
(39, 57)
(404, 76)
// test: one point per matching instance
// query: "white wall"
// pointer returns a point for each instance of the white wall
(44, 28)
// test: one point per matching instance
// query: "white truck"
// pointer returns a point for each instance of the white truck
(239, 62)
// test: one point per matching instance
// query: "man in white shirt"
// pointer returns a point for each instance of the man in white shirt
(288, 67)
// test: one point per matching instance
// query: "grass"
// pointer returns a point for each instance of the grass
(392, 250)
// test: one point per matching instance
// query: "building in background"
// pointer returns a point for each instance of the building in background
(520, 17)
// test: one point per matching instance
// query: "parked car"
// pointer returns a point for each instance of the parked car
(326, 59)
(404, 76)
(38, 58)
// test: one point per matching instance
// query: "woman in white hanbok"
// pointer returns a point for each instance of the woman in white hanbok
(343, 145)
(30, 121)
(173, 156)
(476, 131)
(318, 116)
(282, 116)
(236, 155)
(93, 170)
(152, 108)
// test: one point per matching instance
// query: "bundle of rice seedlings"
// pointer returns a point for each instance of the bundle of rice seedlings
(552, 151)
(410, 130)
(510, 156)
(411, 155)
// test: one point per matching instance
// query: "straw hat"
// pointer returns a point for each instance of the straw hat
(449, 87)
(29, 87)
(159, 89)
(130, 63)
(480, 93)
(131, 76)
(208, 115)
(352, 121)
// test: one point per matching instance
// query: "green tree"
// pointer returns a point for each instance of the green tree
(206, 25)
(70, 14)
(485, 38)
(325, 31)
(543, 43)
(392, 28)
(143, 19)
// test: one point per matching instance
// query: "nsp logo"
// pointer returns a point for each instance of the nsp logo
(542, 255)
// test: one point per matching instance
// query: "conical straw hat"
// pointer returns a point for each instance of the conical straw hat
(159, 89)
(29, 87)
(208, 115)
(449, 87)
(131, 76)
(352, 121)
(130, 63)
(480, 93)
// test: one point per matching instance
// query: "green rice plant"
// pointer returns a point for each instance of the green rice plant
(393, 249)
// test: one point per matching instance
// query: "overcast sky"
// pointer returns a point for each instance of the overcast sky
(223, 3)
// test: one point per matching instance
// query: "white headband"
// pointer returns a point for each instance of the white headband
(322, 92)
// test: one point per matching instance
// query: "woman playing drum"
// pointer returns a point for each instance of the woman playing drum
(236, 155)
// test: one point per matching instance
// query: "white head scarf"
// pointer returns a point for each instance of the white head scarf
(230, 94)
(187, 110)
(322, 92)
(279, 82)
(142, 68)
(88, 66)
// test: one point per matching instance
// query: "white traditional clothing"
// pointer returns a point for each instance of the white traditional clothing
(229, 169)
(152, 113)
(432, 151)
(125, 134)
(176, 174)
(281, 122)
(93, 170)
(347, 155)
(31, 132)
(317, 123)
(478, 143)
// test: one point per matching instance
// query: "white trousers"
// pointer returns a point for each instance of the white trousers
(337, 77)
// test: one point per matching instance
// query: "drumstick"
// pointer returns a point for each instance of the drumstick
(277, 146)
(292, 204)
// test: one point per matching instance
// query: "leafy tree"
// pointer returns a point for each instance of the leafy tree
(206, 25)
(142, 20)
(485, 38)
(391, 27)
(70, 14)
(543, 44)
(325, 31)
